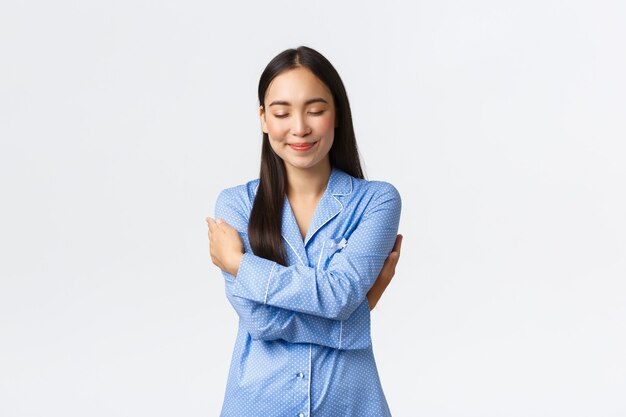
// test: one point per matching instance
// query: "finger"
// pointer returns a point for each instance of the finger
(393, 262)
(213, 227)
(398, 245)
(394, 255)
(389, 266)
(225, 227)
(220, 223)
(223, 224)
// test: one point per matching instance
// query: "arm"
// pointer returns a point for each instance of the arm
(336, 291)
(264, 322)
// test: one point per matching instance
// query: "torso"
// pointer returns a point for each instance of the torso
(307, 363)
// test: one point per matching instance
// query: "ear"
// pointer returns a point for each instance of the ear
(263, 122)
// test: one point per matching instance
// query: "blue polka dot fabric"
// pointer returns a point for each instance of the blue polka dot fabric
(303, 346)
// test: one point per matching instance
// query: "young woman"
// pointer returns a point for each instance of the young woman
(306, 250)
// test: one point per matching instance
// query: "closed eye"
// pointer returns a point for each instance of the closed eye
(312, 113)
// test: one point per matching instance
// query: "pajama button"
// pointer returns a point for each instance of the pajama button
(300, 375)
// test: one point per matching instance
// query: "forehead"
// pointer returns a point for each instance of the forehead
(296, 86)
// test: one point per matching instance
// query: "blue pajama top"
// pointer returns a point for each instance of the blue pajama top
(303, 347)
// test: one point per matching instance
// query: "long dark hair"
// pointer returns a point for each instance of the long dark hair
(264, 227)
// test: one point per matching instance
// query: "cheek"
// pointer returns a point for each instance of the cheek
(276, 129)
(326, 124)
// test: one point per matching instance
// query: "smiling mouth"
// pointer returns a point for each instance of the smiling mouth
(302, 146)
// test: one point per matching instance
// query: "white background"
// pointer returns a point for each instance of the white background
(501, 123)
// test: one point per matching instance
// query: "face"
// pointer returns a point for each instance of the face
(299, 119)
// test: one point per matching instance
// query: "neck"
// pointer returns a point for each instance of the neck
(308, 183)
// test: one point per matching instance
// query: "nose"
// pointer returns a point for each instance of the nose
(300, 126)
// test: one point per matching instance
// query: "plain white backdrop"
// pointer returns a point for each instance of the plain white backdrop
(501, 123)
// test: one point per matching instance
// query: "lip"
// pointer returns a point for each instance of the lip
(303, 146)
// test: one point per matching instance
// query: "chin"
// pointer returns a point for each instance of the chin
(302, 165)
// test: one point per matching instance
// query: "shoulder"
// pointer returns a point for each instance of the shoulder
(375, 191)
(239, 193)
(235, 203)
(343, 184)
(364, 198)
(374, 201)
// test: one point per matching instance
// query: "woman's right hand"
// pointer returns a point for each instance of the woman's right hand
(386, 274)
(225, 245)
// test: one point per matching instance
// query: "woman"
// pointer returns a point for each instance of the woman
(305, 253)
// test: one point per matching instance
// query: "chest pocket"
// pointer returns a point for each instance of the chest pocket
(331, 247)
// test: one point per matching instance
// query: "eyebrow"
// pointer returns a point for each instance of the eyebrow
(286, 103)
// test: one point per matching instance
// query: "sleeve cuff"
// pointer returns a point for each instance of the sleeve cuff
(253, 278)
(355, 332)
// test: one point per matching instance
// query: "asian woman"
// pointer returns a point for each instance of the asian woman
(306, 250)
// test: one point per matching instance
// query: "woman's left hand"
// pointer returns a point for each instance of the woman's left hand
(225, 245)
